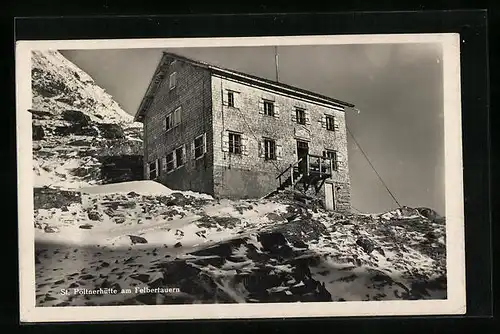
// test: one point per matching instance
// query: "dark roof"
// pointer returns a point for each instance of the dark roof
(277, 86)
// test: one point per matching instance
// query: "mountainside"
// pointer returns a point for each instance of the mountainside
(147, 238)
(81, 136)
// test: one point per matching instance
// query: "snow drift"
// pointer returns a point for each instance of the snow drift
(273, 250)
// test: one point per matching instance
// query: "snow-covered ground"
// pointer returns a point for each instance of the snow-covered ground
(142, 234)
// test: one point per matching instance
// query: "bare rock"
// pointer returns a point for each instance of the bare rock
(86, 226)
(137, 240)
(94, 215)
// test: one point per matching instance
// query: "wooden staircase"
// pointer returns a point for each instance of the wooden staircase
(310, 171)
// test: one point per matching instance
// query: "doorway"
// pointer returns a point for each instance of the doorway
(302, 152)
(329, 196)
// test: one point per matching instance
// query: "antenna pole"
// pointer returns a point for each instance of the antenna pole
(276, 62)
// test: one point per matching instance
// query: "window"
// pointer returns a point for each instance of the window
(173, 80)
(268, 108)
(153, 170)
(331, 154)
(234, 143)
(199, 147)
(300, 115)
(168, 122)
(269, 149)
(230, 99)
(179, 156)
(330, 123)
(170, 163)
(172, 120)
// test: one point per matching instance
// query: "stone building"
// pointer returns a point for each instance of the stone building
(231, 134)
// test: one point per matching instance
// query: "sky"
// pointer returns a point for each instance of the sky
(398, 89)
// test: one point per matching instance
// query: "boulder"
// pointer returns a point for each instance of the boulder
(76, 117)
(111, 131)
(37, 132)
(86, 226)
(48, 198)
(366, 244)
(94, 215)
(137, 240)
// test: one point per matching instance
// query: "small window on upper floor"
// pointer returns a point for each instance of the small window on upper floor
(268, 108)
(173, 80)
(177, 116)
(230, 99)
(300, 115)
(330, 123)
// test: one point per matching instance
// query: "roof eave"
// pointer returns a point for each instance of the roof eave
(280, 86)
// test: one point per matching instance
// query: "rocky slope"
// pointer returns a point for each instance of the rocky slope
(147, 237)
(80, 134)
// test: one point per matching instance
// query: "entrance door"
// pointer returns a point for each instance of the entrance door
(329, 196)
(302, 152)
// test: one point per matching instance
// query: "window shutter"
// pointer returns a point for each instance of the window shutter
(261, 107)
(340, 162)
(335, 124)
(147, 171)
(308, 115)
(157, 171)
(204, 143)
(174, 159)
(224, 97)
(276, 110)
(178, 115)
(184, 153)
(244, 144)
(323, 121)
(236, 100)
(262, 149)
(193, 156)
(225, 141)
(279, 152)
(165, 123)
(164, 163)
(294, 116)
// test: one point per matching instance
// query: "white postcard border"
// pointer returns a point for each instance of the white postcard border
(454, 304)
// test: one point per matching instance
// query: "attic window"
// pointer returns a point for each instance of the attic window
(173, 80)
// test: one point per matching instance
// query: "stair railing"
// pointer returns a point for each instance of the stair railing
(289, 168)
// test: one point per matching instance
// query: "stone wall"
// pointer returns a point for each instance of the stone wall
(249, 174)
(193, 94)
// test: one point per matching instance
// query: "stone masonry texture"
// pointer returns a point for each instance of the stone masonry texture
(193, 94)
(203, 99)
(251, 175)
